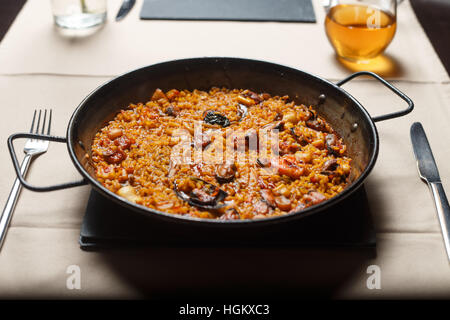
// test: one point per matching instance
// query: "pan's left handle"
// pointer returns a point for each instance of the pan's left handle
(17, 166)
(388, 85)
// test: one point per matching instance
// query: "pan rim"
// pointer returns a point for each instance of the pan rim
(355, 185)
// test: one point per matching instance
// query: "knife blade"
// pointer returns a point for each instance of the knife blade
(125, 8)
(428, 171)
(424, 156)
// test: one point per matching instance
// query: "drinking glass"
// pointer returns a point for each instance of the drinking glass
(79, 14)
(360, 30)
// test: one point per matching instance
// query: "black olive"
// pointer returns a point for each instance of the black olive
(212, 117)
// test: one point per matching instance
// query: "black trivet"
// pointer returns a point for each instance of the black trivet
(108, 225)
(237, 10)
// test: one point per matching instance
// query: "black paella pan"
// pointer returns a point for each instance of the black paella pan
(345, 114)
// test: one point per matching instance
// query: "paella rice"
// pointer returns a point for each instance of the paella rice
(221, 154)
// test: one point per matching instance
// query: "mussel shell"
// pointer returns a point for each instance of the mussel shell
(212, 117)
(210, 205)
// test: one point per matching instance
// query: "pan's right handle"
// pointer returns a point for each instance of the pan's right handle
(388, 85)
(17, 166)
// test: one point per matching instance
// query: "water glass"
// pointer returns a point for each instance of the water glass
(79, 14)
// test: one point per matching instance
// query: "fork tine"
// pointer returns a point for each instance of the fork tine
(43, 122)
(49, 122)
(39, 121)
(32, 123)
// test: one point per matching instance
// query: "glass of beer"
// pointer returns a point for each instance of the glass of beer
(360, 30)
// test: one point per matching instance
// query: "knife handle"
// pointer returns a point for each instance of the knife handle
(443, 211)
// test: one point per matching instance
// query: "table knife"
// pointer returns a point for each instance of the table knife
(428, 172)
(126, 7)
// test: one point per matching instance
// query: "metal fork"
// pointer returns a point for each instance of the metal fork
(32, 149)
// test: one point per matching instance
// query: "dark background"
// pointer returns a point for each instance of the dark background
(8, 12)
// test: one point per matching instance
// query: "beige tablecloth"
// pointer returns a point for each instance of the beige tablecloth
(39, 68)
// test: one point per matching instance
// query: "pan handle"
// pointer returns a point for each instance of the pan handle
(17, 166)
(391, 87)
